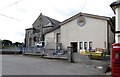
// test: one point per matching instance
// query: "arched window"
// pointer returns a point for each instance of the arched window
(35, 39)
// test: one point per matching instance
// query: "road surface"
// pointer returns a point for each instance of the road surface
(26, 65)
(0, 65)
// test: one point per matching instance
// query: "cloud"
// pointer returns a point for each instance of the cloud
(20, 33)
(99, 7)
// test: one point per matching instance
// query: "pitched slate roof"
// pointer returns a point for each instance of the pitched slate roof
(55, 24)
(53, 21)
(52, 29)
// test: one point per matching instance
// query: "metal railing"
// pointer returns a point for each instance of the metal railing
(11, 50)
(33, 50)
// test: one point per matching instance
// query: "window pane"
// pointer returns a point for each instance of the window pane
(81, 45)
(85, 45)
(117, 56)
(90, 45)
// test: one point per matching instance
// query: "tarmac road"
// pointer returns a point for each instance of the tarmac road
(26, 65)
(0, 65)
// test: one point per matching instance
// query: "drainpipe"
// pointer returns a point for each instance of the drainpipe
(108, 47)
(41, 32)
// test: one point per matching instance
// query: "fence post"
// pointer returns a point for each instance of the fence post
(70, 54)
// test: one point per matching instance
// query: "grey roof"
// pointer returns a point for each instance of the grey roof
(52, 29)
(116, 3)
(55, 25)
(53, 21)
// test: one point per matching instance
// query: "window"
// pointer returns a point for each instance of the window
(90, 45)
(35, 39)
(80, 45)
(85, 46)
(58, 38)
(117, 56)
(105, 45)
(40, 19)
(27, 34)
(30, 41)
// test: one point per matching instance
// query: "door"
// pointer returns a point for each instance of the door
(74, 46)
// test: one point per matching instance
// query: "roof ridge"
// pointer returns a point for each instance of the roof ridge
(51, 18)
(84, 14)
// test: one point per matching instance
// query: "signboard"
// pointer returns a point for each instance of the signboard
(116, 46)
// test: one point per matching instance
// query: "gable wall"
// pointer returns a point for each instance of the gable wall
(95, 30)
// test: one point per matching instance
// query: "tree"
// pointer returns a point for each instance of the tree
(6, 43)
(17, 44)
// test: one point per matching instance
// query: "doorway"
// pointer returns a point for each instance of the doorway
(74, 46)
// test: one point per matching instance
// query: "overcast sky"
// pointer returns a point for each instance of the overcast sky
(17, 15)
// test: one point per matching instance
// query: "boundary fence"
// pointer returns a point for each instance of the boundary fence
(11, 50)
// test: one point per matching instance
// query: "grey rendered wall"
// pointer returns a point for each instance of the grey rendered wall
(28, 36)
(50, 39)
(94, 30)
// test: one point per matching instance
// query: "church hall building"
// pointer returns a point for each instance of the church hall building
(82, 31)
(35, 34)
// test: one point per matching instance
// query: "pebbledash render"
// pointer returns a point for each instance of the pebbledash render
(82, 31)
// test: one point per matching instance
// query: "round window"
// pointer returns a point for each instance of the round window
(81, 21)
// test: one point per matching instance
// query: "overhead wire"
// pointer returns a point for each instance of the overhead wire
(84, 6)
(10, 17)
(11, 5)
(8, 7)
